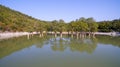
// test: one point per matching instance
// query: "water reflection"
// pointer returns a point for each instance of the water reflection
(81, 45)
(87, 45)
(108, 40)
(10, 46)
(58, 44)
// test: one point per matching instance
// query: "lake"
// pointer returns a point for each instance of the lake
(101, 51)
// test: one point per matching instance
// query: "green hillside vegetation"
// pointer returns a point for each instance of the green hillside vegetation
(11, 20)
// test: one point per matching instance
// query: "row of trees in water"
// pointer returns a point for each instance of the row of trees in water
(79, 27)
(11, 20)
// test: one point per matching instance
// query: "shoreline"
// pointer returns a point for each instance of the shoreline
(6, 35)
(108, 33)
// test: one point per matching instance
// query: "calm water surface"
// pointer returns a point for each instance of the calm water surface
(102, 51)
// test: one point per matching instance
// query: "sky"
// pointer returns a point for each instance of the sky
(67, 10)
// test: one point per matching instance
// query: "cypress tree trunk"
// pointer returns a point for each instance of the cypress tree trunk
(55, 34)
(85, 34)
(28, 36)
(60, 34)
(93, 34)
(89, 34)
(68, 33)
(72, 34)
(77, 34)
(32, 34)
(80, 34)
(40, 34)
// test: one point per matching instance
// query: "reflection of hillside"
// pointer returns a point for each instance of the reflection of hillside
(15, 44)
(115, 41)
(81, 45)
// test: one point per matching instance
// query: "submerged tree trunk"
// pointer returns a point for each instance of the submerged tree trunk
(68, 33)
(85, 34)
(89, 34)
(72, 34)
(41, 34)
(55, 34)
(28, 36)
(60, 34)
(45, 33)
(93, 34)
(80, 34)
(32, 34)
(77, 34)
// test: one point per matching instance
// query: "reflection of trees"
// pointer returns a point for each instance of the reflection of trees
(81, 45)
(58, 44)
(42, 41)
(115, 41)
(15, 44)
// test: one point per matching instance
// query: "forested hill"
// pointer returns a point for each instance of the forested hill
(11, 20)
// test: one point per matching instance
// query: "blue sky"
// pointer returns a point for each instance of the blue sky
(67, 10)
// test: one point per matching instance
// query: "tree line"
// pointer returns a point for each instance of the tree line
(11, 20)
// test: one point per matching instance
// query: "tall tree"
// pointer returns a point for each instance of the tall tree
(81, 26)
(61, 26)
(92, 25)
(72, 27)
(54, 27)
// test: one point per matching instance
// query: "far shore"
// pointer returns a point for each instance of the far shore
(6, 35)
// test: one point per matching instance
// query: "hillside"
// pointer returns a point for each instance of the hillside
(11, 20)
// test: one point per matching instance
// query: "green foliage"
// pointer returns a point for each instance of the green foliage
(92, 25)
(11, 20)
(84, 25)
(81, 26)
(54, 26)
(104, 26)
(109, 26)
(61, 26)
(72, 26)
(116, 25)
